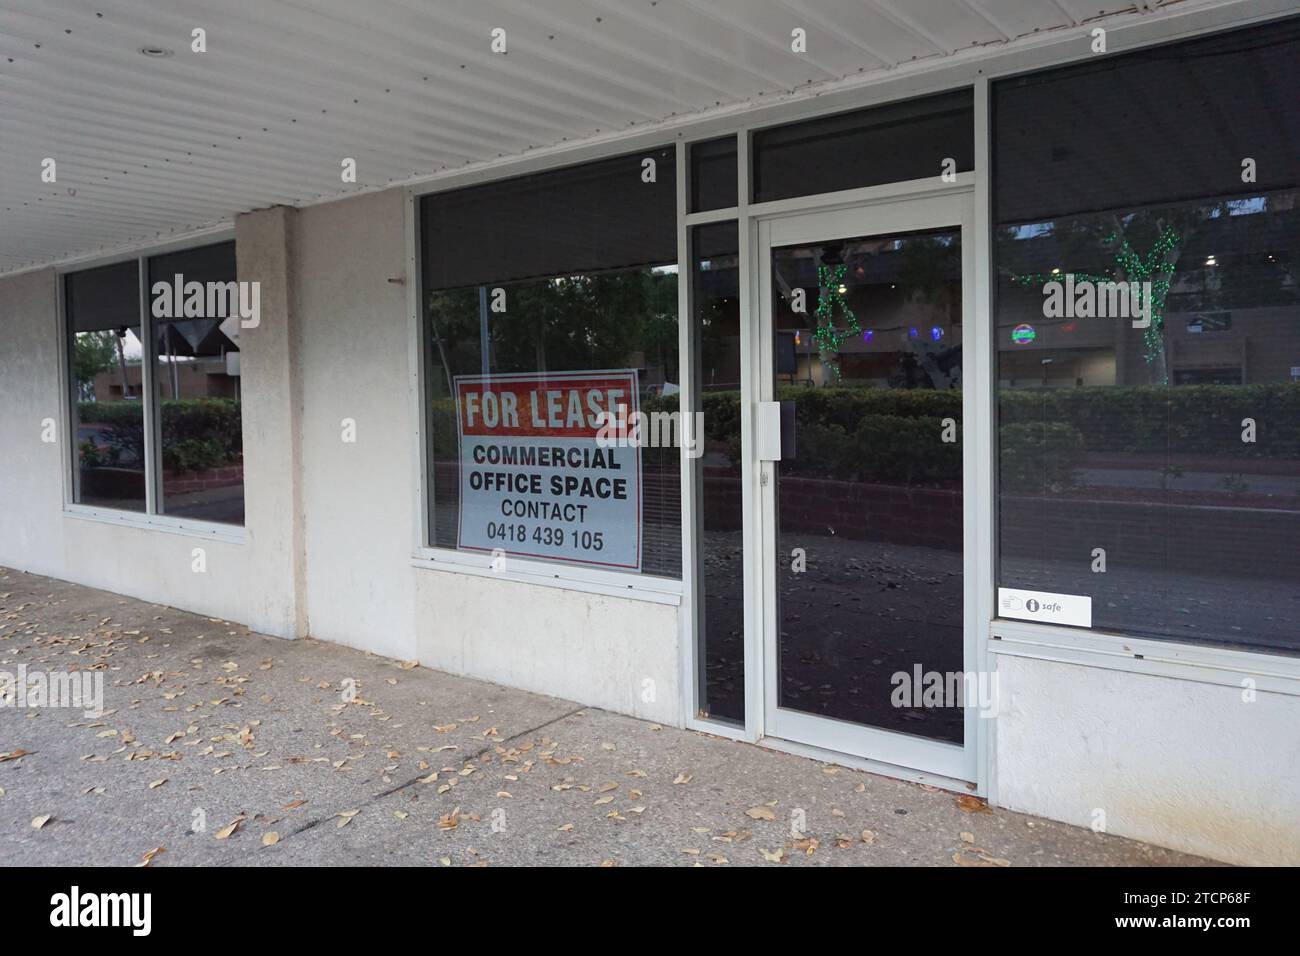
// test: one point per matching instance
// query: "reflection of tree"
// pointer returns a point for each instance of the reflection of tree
(1163, 233)
(832, 298)
(927, 266)
(92, 353)
(562, 323)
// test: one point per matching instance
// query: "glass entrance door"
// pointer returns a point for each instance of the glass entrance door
(862, 483)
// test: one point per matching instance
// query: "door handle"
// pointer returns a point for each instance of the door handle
(774, 434)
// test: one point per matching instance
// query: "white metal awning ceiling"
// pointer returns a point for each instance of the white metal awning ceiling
(148, 146)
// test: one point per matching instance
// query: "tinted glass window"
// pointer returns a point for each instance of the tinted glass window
(720, 575)
(1148, 337)
(713, 174)
(195, 303)
(546, 299)
(883, 144)
(104, 361)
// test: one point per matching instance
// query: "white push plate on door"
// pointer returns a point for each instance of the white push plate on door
(767, 431)
(1045, 607)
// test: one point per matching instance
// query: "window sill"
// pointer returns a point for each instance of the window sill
(1273, 672)
(635, 587)
(168, 524)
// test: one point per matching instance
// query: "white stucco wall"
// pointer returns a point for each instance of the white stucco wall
(1178, 763)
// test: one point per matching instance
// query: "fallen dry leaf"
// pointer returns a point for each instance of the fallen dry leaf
(38, 822)
(150, 854)
(270, 839)
(226, 832)
(449, 821)
(970, 804)
(761, 813)
(345, 818)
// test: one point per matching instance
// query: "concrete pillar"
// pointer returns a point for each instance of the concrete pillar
(271, 386)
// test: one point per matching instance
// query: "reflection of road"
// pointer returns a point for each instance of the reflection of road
(1282, 485)
(224, 505)
(861, 612)
(1223, 607)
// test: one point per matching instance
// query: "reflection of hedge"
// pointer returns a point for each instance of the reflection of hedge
(197, 433)
(1032, 457)
(1183, 419)
(864, 434)
(877, 434)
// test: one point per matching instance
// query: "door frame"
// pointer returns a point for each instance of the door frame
(903, 207)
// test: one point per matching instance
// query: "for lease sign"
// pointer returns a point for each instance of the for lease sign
(535, 481)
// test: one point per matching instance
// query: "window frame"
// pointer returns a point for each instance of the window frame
(151, 518)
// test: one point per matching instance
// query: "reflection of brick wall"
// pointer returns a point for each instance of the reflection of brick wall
(1198, 538)
(896, 514)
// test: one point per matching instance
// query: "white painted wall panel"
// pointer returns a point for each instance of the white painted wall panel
(1177, 763)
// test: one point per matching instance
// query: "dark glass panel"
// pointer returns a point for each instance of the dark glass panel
(883, 144)
(713, 174)
(197, 372)
(720, 575)
(105, 355)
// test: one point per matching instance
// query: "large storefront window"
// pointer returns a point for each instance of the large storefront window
(550, 301)
(1148, 338)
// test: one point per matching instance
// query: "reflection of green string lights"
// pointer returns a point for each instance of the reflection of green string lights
(831, 293)
(1142, 269)
(1139, 269)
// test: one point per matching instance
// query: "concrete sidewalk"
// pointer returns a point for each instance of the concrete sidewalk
(208, 726)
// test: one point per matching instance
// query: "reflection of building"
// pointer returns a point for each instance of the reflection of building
(1228, 320)
(208, 377)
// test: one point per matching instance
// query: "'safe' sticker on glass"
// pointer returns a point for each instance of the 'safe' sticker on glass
(1045, 607)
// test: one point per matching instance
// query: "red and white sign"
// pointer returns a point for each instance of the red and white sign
(535, 481)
